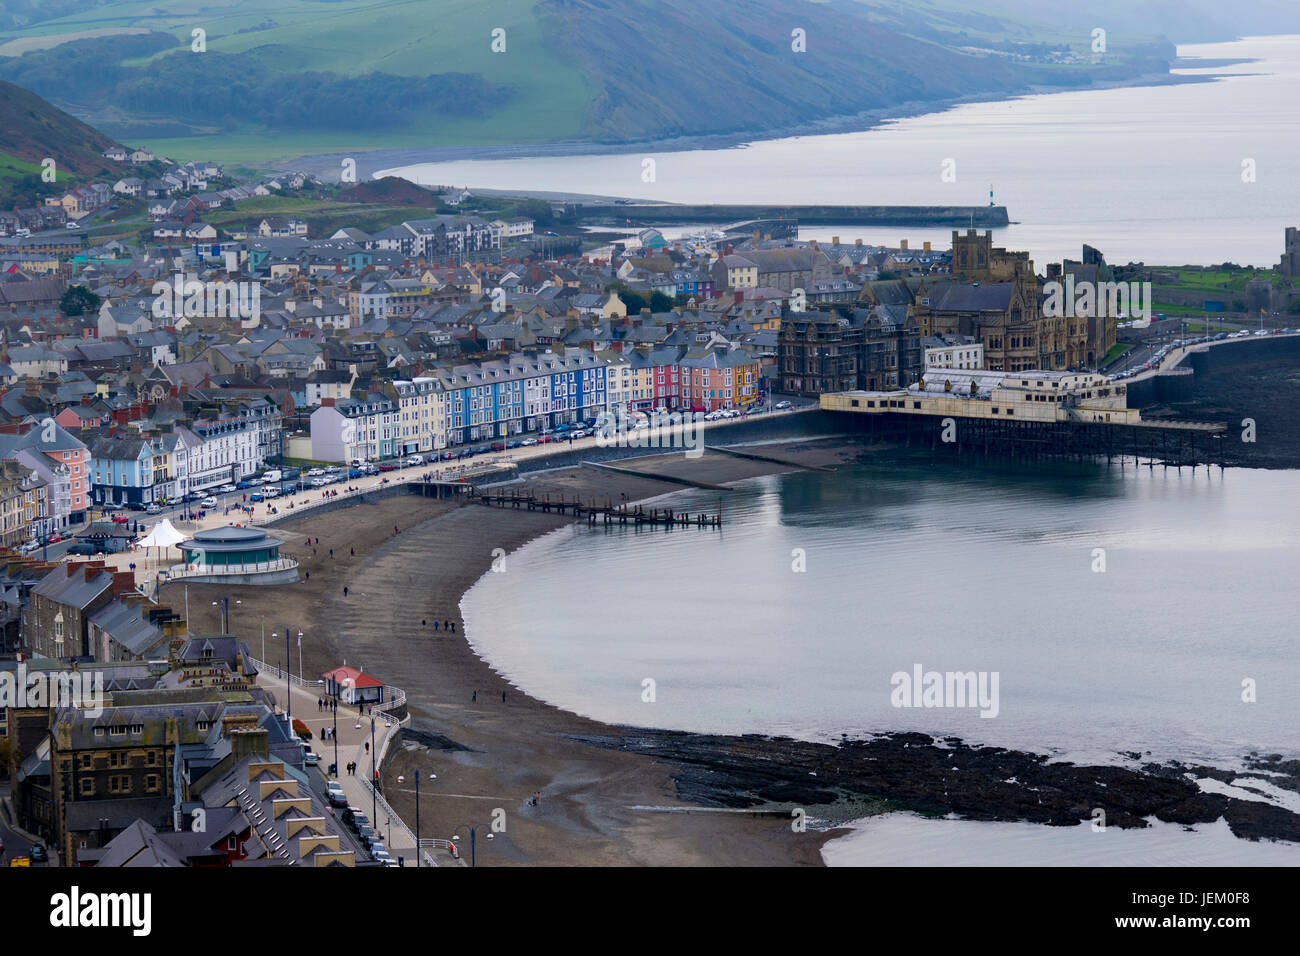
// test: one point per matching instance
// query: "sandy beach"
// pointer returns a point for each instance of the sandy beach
(490, 752)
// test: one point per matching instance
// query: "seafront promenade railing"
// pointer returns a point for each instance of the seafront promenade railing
(178, 572)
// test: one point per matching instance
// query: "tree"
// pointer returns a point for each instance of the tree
(78, 300)
(660, 302)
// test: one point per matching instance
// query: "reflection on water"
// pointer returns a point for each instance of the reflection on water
(952, 566)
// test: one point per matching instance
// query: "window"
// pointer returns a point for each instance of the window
(86, 787)
(151, 783)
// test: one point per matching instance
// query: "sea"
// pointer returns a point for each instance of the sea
(1130, 614)
(1185, 173)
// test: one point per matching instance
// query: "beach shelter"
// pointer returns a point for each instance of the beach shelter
(164, 535)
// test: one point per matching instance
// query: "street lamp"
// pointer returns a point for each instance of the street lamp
(400, 779)
(301, 673)
(224, 604)
(473, 833)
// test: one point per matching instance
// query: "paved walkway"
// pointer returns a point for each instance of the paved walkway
(352, 747)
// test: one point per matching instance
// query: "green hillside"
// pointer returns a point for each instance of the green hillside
(285, 77)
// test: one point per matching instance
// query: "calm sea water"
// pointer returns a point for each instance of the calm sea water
(1145, 173)
(954, 568)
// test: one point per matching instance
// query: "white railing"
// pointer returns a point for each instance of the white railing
(179, 571)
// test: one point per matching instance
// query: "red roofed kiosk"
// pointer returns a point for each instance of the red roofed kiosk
(352, 686)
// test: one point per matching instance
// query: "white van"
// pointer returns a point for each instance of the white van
(271, 477)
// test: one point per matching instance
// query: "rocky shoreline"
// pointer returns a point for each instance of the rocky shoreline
(915, 772)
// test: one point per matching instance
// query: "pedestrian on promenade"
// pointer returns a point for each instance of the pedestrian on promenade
(331, 554)
(308, 574)
(352, 551)
(453, 627)
(444, 625)
(394, 529)
(435, 626)
(474, 698)
(503, 697)
(345, 590)
(366, 744)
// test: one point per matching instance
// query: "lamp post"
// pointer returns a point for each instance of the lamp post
(432, 776)
(264, 638)
(473, 834)
(374, 776)
(301, 673)
(336, 728)
(288, 673)
(224, 605)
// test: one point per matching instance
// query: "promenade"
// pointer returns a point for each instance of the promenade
(354, 733)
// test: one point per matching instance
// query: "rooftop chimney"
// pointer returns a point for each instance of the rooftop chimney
(902, 243)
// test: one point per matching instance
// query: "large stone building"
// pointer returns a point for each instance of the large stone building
(996, 298)
(844, 349)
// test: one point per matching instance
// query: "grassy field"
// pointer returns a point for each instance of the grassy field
(13, 169)
(1218, 280)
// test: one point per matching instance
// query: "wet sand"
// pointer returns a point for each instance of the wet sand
(490, 754)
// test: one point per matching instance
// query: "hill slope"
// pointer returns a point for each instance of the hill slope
(34, 129)
(280, 77)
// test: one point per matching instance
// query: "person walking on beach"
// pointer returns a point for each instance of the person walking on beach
(352, 551)
(444, 625)
(474, 699)
(345, 590)
(503, 697)
(331, 554)
(435, 625)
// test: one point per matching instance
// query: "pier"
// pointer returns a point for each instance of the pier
(596, 513)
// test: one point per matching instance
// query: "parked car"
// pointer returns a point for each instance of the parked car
(336, 798)
(257, 496)
(377, 848)
(387, 466)
(483, 450)
(226, 489)
(359, 820)
(349, 813)
(119, 519)
(153, 509)
(513, 443)
(526, 442)
(578, 433)
(784, 405)
(315, 473)
(544, 439)
(209, 503)
(365, 832)
(39, 854)
(498, 446)
(271, 493)
(414, 460)
(55, 538)
(381, 856)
